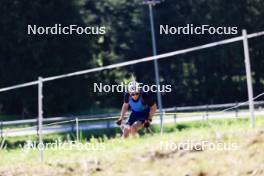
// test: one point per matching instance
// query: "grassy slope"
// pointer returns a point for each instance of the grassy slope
(143, 156)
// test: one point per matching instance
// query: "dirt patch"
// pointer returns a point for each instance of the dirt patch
(5, 173)
(257, 171)
(197, 148)
(256, 139)
(164, 154)
(201, 173)
(156, 155)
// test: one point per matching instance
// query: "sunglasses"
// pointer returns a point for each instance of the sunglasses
(133, 94)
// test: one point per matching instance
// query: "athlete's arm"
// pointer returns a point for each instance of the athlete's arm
(124, 110)
(152, 111)
(124, 107)
(151, 103)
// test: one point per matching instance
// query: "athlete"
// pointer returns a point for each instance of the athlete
(143, 108)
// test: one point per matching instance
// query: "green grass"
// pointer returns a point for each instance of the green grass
(143, 155)
(14, 142)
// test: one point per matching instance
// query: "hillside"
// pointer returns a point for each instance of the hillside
(217, 148)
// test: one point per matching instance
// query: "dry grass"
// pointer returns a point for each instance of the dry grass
(145, 156)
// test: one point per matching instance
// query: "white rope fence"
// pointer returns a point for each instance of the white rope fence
(244, 37)
(115, 117)
(241, 104)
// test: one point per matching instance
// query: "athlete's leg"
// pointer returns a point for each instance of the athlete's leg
(126, 131)
(135, 127)
(138, 124)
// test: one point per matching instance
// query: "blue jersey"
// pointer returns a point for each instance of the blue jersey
(141, 104)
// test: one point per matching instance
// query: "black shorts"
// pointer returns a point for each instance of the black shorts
(138, 116)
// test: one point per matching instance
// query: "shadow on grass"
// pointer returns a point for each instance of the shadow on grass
(181, 127)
